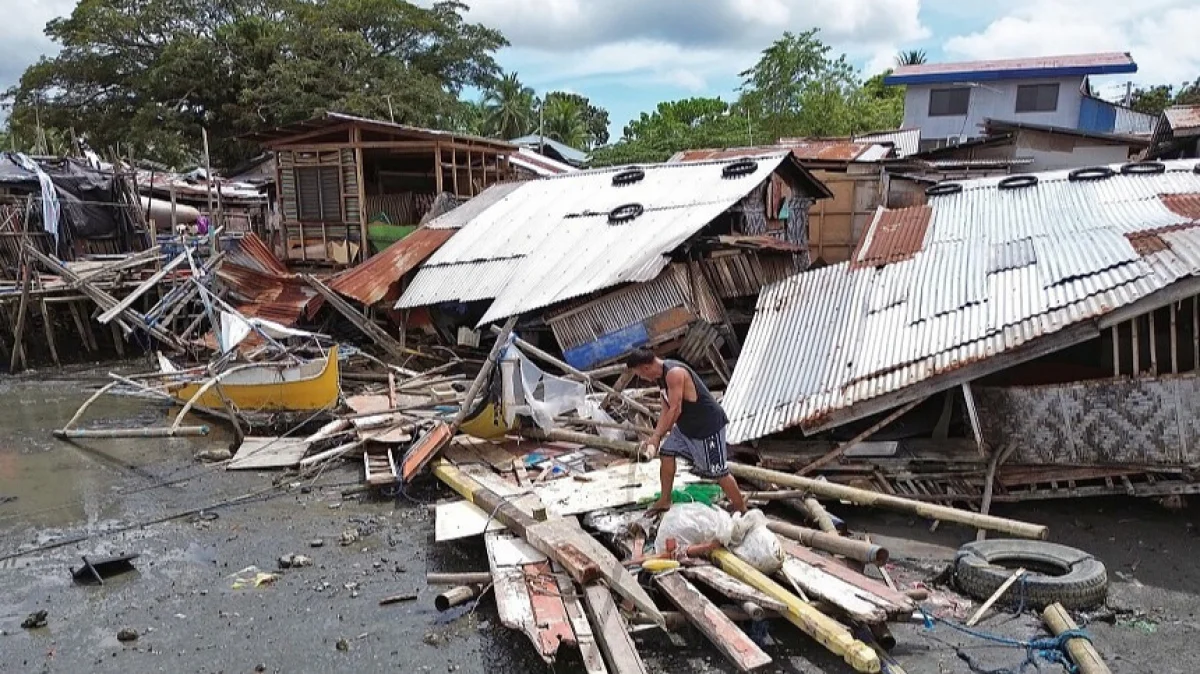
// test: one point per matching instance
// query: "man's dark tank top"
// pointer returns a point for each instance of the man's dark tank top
(699, 419)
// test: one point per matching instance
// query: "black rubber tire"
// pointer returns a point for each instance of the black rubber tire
(1081, 581)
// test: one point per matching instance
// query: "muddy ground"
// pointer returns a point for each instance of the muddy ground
(326, 617)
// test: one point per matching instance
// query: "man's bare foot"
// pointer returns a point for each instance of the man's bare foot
(662, 505)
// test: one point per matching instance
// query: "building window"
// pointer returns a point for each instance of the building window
(318, 194)
(1037, 98)
(947, 102)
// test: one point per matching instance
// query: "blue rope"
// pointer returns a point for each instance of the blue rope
(1052, 650)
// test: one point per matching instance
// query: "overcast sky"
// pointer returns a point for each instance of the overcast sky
(627, 55)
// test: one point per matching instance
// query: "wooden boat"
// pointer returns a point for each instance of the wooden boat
(270, 387)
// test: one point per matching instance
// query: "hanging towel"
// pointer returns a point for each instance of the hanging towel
(50, 206)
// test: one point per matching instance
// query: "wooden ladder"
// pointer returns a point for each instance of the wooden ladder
(380, 469)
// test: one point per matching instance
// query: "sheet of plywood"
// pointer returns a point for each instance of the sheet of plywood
(269, 452)
(461, 519)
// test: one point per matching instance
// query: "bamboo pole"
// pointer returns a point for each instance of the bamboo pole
(1082, 652)
(158, 432)
(22, 310)
(477, 578)
(991, 601)
(827, 631)
(859, 551)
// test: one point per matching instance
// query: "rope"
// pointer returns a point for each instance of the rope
(1052, 650)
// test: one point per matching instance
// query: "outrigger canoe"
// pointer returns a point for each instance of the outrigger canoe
(272, 387)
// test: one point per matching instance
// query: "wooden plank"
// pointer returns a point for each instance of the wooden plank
(514, 604)
(549, 611)
(585, 638)
(894, 602)
(48, 328)
(974, 619)
(738, 648)
(827, 631)
(822, 586)
(1174, 340)
(461, 519)
(611, 631)
(731, 587)
(259, 452)
(147, 285)
(838, 451)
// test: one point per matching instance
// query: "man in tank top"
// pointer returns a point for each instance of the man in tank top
(691, 426)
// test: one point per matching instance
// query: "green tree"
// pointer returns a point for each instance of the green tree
(469, 117)
(510, 108)
(595, 118)
(564, 121)
(1154, 99)
(912, 57)
(675, 126)
(149, 75)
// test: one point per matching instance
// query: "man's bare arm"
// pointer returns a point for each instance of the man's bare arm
(676, 379)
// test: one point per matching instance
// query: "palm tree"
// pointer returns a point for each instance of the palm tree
(913, 57)
(509, 106)
(564, 121)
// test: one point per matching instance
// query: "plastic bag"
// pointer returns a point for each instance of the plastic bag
(754, 543)
(693, 524)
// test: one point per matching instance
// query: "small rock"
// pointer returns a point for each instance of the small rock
(285, 561)
(433, 639)
(335, 506)
(215, 455)
(260, 668)
(127, 634)
(35, 620)
(299, 561)
(316, 543)
(378, 565)
(306, 489)
(343, 645)
(349, 537)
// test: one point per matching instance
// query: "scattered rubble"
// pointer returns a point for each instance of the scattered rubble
(35, 620)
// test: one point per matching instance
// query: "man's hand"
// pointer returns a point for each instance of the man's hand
(650, 446)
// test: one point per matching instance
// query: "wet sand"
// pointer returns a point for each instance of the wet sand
(182, 602)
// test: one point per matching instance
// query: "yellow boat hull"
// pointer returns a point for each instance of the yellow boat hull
(307, 387)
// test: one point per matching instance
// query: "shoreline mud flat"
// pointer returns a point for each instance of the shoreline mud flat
(326, 616)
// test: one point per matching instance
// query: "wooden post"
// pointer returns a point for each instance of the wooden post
(1174, 341)
(1082, 652)
(1153, 345)
(87, 325)
(1196, 334)
(22, 309)
(208, 181)
(360, 170)
(78, 321)
(470, 174)
(454, 167)
(174, 215)
(973, 417)
(1137, 356)
(48, 326)
(1116, 349)
(118, 339)
(437, 160)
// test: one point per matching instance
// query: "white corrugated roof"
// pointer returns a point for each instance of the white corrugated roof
(994, 270)
(906, 141)
(550, 240)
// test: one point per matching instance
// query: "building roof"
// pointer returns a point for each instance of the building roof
(331, 121)
(905, 141)
(537, 143)
(261, 286)
(539, 164)
(1000, 126)
(371, 281)
(1183, 119)
(550, 240)
(1014, 69)
(972, 283)
(807, 150)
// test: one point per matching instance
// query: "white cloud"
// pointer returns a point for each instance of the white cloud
(1158, 33)
(681, 42)
(22, 36)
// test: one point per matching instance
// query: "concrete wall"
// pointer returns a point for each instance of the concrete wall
(1149, 421)
(995, 100)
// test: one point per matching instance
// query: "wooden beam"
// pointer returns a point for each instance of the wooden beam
(1153, 334)
(365, 325)
(562, 540)
(364, 241)
(1082, 652)
(585, 637)
(437, 161)
(18, 353)
(48, 327)
(854, 442)
(733, 643)
(1137, 356)
(454, 168)
(1174, 340)
(812, 622)
(146, 286)
(470, 174)
(1116, 350)
(612, 632)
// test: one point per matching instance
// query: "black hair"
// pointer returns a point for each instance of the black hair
(639, 358)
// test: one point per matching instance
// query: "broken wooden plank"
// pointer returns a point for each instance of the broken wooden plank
(1008, 582)
(733, 643)
(423, 450)
(365, 325)
(827, 631)
(461, 519)
(150, 283)
(731, 587)
(821, 586)
(259, 452)
(507, 558)
(894, 602)
(611, 631)
(563, 540)
(585, 638)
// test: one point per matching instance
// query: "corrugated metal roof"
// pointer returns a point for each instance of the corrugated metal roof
(906, 141)
(1018, 68)
(1184, 119)
(539, 164)
(805, 149)
(331, 120)
(550, 240)
(897, 235)
(998, 269)
(371, 281)
(261, 285)
(1187, 205)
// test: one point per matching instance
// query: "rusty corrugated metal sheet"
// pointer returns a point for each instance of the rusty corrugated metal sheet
(285, 299)
(1184, 119)
(999, 269)
(377, 278)
(896, 235)
(1187, 205)
(249, 251)
(810, 150)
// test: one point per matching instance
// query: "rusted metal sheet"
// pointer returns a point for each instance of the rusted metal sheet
(895, 235)
(1000, 270)
(1184, 119)
(250, 252)
(1187, 205)
(806, 150)
(284, 299)
(378, 278)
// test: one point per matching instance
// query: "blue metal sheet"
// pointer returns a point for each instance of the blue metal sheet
(607, 347)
